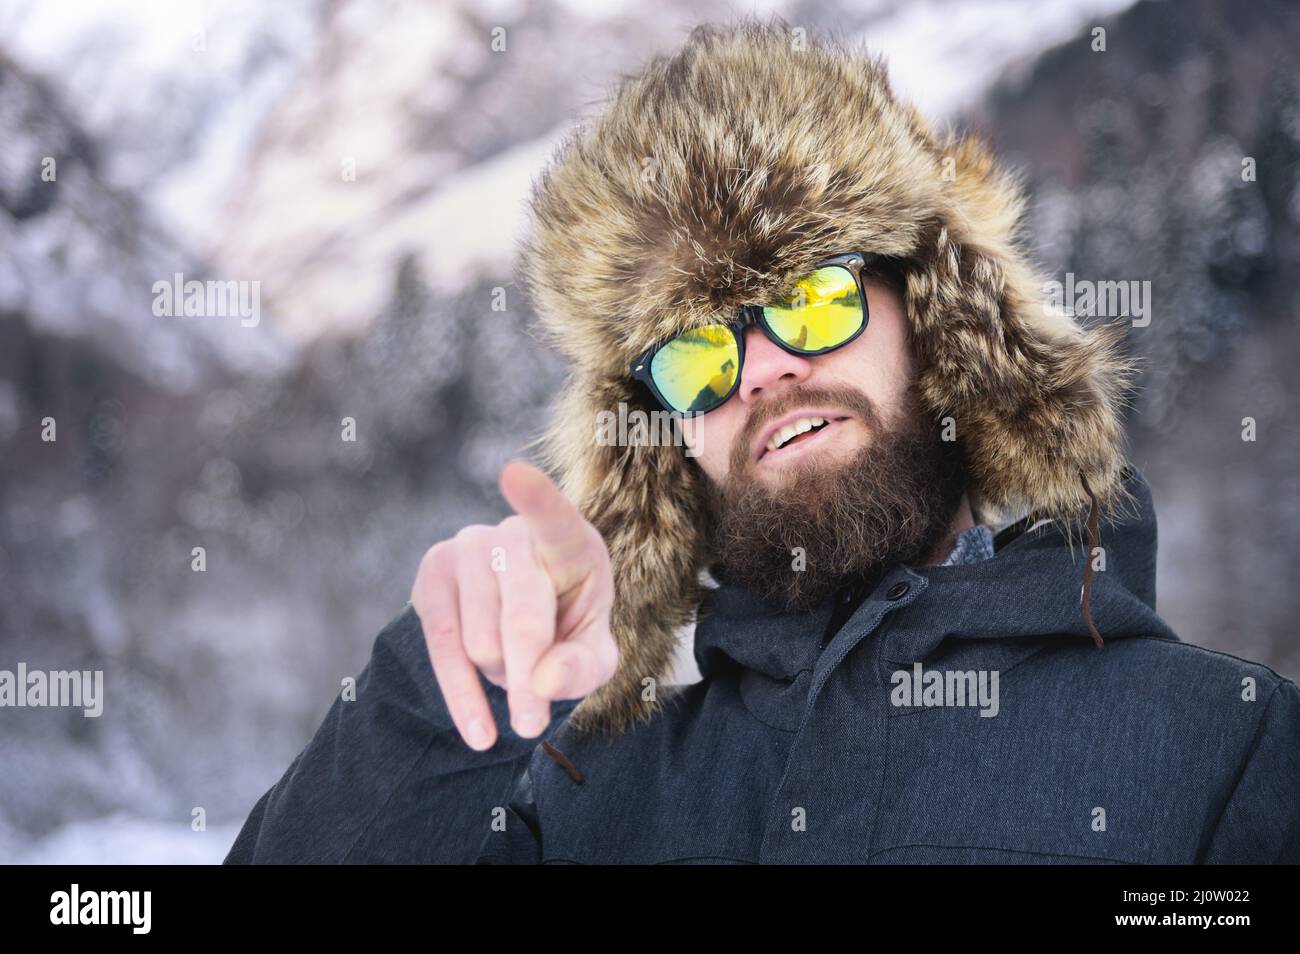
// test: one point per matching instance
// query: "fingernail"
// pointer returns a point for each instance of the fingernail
(530, 724)
(479, 737)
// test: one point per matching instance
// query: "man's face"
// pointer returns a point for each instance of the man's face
(874, 485)
(778, 389)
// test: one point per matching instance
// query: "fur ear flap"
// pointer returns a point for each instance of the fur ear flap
(1036, 400)
(648, 502)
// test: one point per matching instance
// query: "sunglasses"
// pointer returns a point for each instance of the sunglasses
(699, 369)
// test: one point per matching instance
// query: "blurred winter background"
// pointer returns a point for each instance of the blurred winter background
(209, 139)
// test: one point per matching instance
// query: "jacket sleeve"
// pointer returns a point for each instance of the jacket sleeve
(1261, 822)
(387, 778)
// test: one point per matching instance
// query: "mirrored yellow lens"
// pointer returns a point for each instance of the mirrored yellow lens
(696, 369)
(822, 311)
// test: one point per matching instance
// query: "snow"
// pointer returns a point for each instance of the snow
(122, 839)
(943, 55)
(182, 120)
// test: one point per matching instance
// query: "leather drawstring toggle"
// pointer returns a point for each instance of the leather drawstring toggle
(562, 761)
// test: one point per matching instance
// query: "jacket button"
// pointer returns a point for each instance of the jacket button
(897, 591)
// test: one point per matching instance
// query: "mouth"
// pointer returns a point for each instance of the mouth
(795, 434)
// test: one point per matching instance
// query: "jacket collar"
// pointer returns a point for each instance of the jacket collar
(1031, 587)
(740, 629)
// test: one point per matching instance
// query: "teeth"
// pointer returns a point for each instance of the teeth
(783, 436)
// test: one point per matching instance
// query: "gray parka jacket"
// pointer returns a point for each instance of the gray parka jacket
(807, 742)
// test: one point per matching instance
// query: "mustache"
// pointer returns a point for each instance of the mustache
(891, 502)
(849, 399)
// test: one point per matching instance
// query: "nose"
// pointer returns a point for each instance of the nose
(768, 367)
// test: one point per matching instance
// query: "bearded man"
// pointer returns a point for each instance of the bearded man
(920, 572)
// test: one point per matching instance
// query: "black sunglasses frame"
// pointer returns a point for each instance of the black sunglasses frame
(854, 262)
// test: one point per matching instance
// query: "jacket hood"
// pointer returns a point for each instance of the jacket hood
(716, 177)
(1028, 589)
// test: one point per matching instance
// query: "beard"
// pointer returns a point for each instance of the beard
(827, 523)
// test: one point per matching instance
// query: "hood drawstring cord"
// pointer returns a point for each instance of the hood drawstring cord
(1094, 542)
(562, 761)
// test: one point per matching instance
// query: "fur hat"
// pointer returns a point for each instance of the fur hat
(716, 177)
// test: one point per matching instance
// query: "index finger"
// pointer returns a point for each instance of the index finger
(559, 532)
